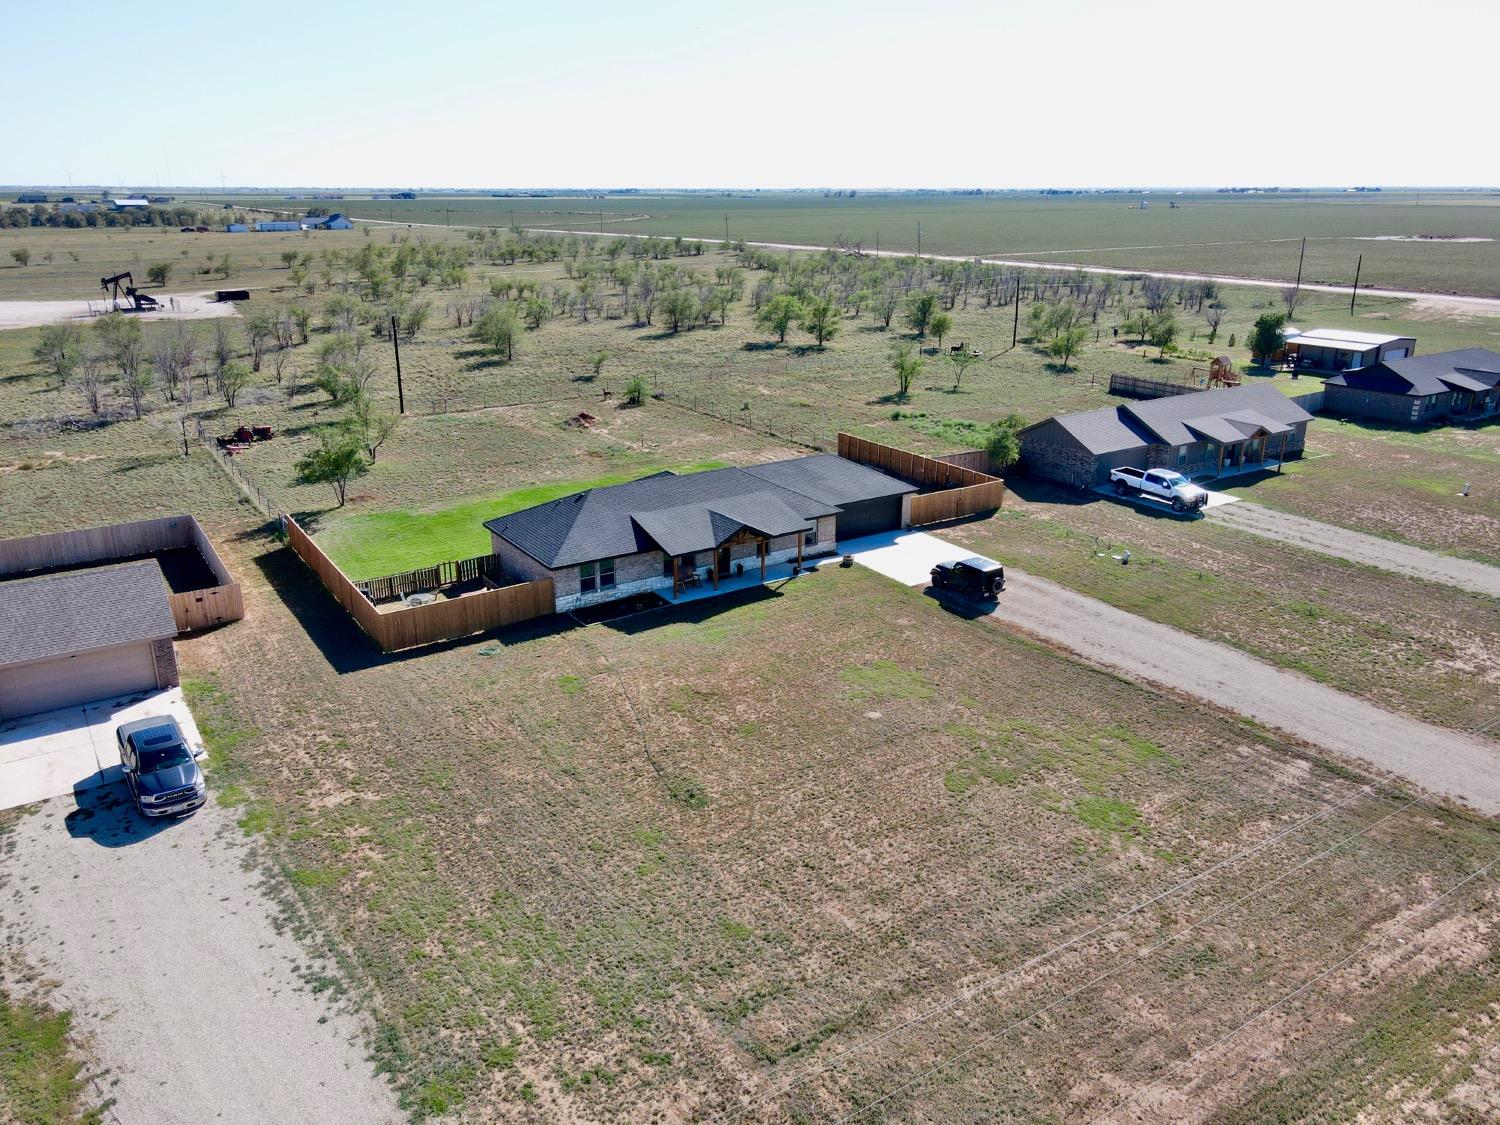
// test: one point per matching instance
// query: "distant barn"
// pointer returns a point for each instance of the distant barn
(277, 224)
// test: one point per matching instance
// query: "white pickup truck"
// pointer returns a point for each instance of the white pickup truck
(1163, 484)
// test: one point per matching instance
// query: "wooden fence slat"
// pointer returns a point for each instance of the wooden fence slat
(426, 624)
(964, 488)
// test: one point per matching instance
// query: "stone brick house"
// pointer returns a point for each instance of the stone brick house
(1202, 434)
(1420, 390)
(664, 531)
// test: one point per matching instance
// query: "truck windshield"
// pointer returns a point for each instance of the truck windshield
(1174, 480)
(160, 757)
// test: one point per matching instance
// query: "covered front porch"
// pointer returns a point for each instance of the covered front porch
(729, 566)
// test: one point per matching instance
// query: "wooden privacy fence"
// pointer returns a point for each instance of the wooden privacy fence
(425, 624)
(431, 577)
(956, 489)
(192, 609)
(1137, 386)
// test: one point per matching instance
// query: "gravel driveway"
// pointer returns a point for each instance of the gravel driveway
(1340, 542)
(181, 988)
(1458, 765)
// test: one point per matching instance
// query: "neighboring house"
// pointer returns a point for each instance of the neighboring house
(80, 635)
(662, 531)
(1458, 384)
(277, 224)
(1200, 434)
(336, 221)
(129, 203)
(1339, 349)
(31, 197)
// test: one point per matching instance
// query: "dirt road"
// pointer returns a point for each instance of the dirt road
(188, 306)
(1371, 550)
(181, 987)
(1466, 767)
(1451, 302)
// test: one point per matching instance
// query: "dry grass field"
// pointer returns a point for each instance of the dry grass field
(827, 852)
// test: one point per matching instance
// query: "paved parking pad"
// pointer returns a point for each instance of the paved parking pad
(74, 748)
(905, 556)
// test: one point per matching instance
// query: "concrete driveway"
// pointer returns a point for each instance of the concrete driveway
(905, 556)
(1152, 504)
(74, 748)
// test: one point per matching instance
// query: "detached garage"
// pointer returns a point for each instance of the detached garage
(80, 635)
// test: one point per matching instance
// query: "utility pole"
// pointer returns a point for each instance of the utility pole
(601, 222)
(1015, 328)
(446, 221)
(726, 228)
(1355, 292)
(877, 244)
(919, 240)
(1298, 286)
(396, 345)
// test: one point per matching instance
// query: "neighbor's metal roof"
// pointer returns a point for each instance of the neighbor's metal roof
(80, 610)
(1343, 338)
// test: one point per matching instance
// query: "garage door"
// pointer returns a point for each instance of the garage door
(67, 680)
(866, 517)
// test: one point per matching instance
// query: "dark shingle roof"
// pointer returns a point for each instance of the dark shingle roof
(79, 610)
(1422, 375)
(1226, 415)
(1165, 417)
(690, 512)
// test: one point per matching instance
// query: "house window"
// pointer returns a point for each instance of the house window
(810, 537)
(606, 574)
(1182, 457)
(588, 579)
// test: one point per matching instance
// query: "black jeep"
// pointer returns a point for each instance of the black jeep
(972, 577)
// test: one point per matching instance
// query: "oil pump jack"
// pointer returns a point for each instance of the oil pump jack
(140, 302)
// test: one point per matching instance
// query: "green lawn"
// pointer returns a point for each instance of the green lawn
(379, 543)
(39, 1076)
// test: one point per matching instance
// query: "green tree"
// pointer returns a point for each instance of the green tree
(1068, 343)
(288, 258)
(906, 366)
(336, 461)
(537, 312)
(496, 331)
(138, 385)
(60, 350)
(597, 360)
(232, 378)
(778, 314)
(940, 325)
(961, 361)
(1163, 330)
(159, 272)
(635, 391)
(920, 309)
(1267, 337)
(678, 307)
(21, 256)
(369, 425)
(1003, 443)
(820, 320)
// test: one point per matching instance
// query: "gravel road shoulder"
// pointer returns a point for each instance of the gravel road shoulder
(183, 989)
(1461, 766)
(1371, 550)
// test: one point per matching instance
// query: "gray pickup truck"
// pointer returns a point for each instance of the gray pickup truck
(160, 768)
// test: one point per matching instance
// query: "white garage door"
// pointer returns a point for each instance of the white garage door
(48, 684)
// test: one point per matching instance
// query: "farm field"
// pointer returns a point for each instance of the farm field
(777, 858)
(739, 861)
(1239, 235)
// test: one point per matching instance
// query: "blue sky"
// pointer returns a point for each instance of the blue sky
(772, 94)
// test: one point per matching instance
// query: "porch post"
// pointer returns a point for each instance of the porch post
(716, 568)
(800, 537)
(761, 550)
(1281, 453)
(676, 576)
(1222, 450)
